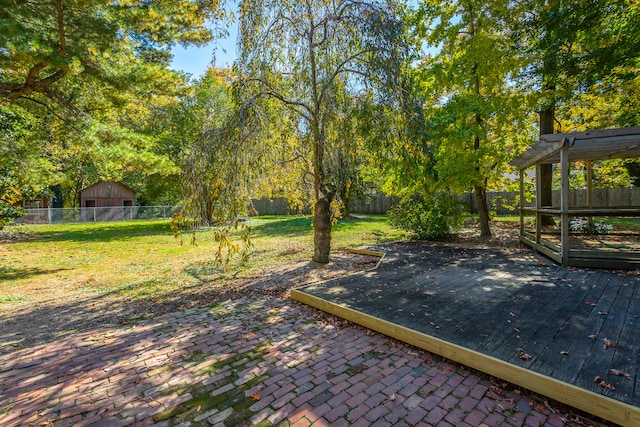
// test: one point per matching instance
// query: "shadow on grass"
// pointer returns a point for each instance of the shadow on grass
(9, 274)
(48, 321)
(103, 232)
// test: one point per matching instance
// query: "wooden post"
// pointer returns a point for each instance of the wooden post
(538, 202)
(590, 195)
(564, 202)
(521, 202)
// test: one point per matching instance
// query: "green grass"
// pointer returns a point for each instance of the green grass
(11, 299)
(142, 259)
(628, 224)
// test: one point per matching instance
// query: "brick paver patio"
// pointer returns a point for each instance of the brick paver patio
(259, 361)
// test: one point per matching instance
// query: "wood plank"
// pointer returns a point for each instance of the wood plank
(626, 355)
(593, 403)
(482, 303)
(538, 322)
(571, 336)
(600, 133)
(600, 361)
(564, 204)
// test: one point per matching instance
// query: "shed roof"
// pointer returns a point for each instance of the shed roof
(592, 145)
(103, 183)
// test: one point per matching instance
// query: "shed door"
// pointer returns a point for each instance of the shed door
(89, 203)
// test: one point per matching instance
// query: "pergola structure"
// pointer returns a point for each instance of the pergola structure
(562, 149)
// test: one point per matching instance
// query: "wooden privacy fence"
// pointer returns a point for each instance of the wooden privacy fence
(502, 202)
(376, 205)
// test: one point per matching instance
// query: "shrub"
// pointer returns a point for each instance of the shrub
(436, 218)
(8, 213)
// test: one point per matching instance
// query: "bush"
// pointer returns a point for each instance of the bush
(8, 213)
(436, 218)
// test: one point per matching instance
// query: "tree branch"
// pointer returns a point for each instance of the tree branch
(340, 68)
(270, 91)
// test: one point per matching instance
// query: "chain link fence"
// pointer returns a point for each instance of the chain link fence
(95, 214)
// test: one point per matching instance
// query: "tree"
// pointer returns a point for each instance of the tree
(305, 54)
(218, 164)
(90, 72)
(474, 110)
(347, 158)
(569, 46)
(23, 172)
(48, 48)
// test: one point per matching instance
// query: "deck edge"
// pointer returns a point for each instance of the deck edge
(378, 254)
(585, 400)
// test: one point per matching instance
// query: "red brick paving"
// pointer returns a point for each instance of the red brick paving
(252, 360)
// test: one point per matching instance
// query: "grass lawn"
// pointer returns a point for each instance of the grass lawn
(144, 259)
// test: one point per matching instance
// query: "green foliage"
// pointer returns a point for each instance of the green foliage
(94, 74)
(436, 218)
(477, 117)
(24, 173)
(50, 49)
(231, 239)
(8, 213)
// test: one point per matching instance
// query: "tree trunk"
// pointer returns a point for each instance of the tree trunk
(547, 117)
(483, 210)
(322, 229)
(345, 196)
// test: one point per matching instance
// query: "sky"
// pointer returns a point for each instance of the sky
(196, 60)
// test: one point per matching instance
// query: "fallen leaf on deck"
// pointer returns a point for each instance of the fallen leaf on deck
(593, 337)
(448, 368)
(608, 344)
(602, 383)
(497, 390)
(564, 353)
(620, 373)
(392, 397)
(602, 313)
(255, 396)
(524, 356)
(512, 314)
(590, 303)
(541, 407)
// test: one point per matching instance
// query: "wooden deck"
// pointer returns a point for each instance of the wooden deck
(506, 312)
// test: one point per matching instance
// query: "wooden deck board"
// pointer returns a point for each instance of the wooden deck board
(495, 302)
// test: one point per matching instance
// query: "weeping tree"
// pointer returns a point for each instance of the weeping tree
(219, 172)
(306, 55)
